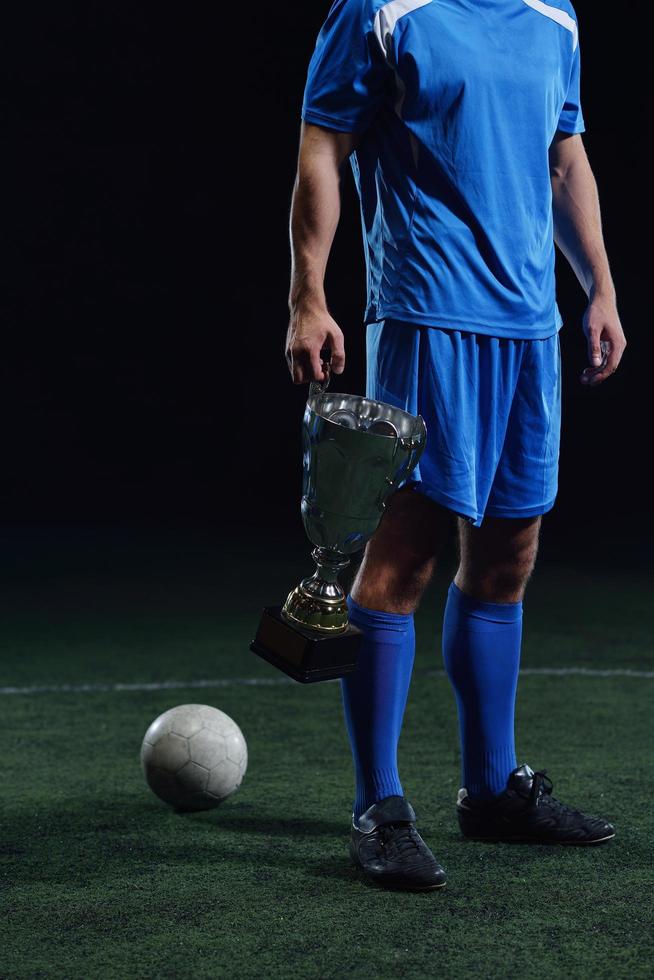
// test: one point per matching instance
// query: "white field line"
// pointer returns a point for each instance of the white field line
(282, 679)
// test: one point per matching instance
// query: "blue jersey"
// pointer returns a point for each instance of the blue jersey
(457, 102)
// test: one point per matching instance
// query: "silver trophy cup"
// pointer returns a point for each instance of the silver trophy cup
(356, 453)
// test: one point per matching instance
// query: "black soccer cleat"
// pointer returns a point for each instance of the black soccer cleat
(386, 845)
(526, 811)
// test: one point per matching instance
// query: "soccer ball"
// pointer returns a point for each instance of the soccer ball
(193, 756)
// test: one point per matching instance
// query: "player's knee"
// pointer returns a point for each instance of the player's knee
(500, 577)
(395, 584)
(521, 561)
(507, 582)
(515, 566)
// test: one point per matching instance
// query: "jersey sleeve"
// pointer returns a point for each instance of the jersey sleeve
(571, 119)
(348, 74)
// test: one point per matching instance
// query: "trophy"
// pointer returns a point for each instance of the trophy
(356, 452)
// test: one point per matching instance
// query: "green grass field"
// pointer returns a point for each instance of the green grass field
(101, 880)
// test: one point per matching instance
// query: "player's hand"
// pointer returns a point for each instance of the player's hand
(606, 340)
(309, 332)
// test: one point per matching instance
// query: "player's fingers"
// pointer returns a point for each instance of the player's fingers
(317, 373)
(288, 354)
(291, 364)
(305, 363)
(612, 361)
(611, 354)
(594, 348)
(597, 377)
(300, 366)
(338, 355)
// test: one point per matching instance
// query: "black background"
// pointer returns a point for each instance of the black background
(143, 376)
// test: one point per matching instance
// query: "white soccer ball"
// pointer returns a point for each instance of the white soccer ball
(193, 756)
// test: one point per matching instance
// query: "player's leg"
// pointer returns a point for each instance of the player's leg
(481, 644)
(496, 559)
(397, 564)
(399, 559)
(396, 568)
(483, 618)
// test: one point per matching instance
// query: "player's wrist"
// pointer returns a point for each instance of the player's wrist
(602, 291)
(309, 301)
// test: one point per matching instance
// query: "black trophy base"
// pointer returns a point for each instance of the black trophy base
(303, 654)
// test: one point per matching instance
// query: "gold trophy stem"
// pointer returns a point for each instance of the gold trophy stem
(318, 602)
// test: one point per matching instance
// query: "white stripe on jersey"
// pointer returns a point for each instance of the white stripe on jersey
(387, 17)
(560, 16)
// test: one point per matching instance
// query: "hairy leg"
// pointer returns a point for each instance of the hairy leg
(497, 559)
(400, 557)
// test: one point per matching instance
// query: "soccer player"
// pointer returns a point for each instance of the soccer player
(462, 123)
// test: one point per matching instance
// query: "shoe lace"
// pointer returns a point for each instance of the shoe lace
(541, 794)
(541, 787)
(398, 839)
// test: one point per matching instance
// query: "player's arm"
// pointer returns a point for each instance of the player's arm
(348, 81)
(315, 212)
(578, 233)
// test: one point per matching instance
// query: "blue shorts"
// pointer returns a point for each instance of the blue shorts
(492, 408)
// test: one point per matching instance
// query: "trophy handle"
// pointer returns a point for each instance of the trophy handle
(318, 387)
(415, 445)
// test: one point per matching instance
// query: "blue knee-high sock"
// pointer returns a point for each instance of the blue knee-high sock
(481, 650)
(374, 698)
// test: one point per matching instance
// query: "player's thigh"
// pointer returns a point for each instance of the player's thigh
(412, 532)
(400, 558)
